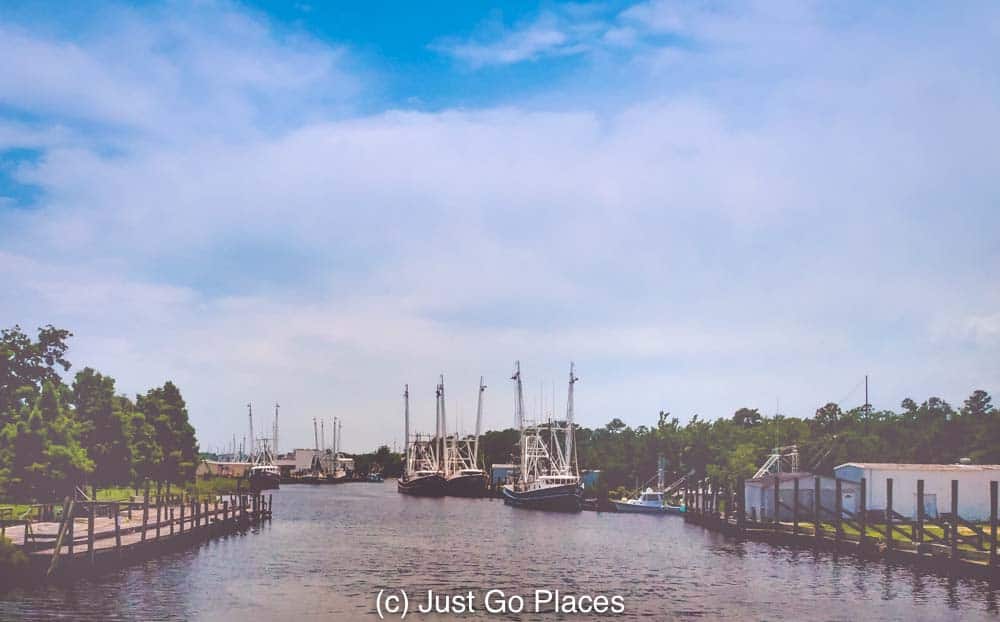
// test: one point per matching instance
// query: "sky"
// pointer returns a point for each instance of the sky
(704, 205)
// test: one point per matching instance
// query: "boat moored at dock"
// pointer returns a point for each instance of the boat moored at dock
(463, 477)
(648, 502)
(264, 474)
(422, 473)
(548, 477)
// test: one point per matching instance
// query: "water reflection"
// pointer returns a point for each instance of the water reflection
(330, 549)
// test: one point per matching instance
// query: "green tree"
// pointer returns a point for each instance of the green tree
(146, 453)
(25, 365)
(747, 417)
(978, 404)
(165, 409)
(43, 459)
(103, 427)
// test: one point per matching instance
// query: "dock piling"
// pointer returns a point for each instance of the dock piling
(993, 524)
(795, 506)
(817, 533)
(863, 513)
(90, 531)
(145, 512)
(888, 513)
(919, 526)
(954, 519)
(777, 502)
(838, 504)
(118, 530)
(740, 505)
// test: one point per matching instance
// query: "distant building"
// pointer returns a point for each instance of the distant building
(759, 496)
(214, 468)
(973, 486)
(303, 459)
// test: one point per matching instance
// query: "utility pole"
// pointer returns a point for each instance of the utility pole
(868, 407)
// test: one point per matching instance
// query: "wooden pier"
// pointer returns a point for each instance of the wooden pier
(80, 536)
(948, 544)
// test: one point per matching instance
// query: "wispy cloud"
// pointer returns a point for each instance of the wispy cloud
(550, 34)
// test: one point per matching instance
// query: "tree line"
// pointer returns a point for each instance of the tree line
(929, 432)
(56, 436)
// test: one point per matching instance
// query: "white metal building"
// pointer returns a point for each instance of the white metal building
(759, 496)
(973, 486)
(304, 458)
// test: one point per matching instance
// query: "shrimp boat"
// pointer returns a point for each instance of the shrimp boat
(264, 474)
(422, 475)
(463, 477)
(548, 478)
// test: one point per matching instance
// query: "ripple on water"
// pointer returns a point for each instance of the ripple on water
(329, 550)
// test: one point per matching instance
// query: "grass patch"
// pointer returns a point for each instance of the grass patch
(200, 488)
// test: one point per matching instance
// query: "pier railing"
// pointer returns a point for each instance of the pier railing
(93, 531)
(720, 505)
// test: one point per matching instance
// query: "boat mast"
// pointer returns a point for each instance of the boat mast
(519, 404)
(322, 435)
(336, 444)
(340, 434)
(443, 431)
(250, 412)
(406, 428)
(275, 443)
(569, 419)
(479, 422)
(315, 434)
(519, 417)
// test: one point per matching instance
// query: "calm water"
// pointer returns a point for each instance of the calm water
(330, 549)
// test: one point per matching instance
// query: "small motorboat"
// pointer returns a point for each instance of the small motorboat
(649, 502)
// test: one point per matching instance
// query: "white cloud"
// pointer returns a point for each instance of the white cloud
(546, 36)
(780, 223)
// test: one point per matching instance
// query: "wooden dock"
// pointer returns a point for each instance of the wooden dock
(86, 535)
(955, 546)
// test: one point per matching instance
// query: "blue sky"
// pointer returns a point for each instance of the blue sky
(705, 205)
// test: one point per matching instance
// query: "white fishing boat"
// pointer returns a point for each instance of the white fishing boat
(647, 502)
(548, 478)
(463, 477)
(422, 473)
(263, 474)
(653, 500)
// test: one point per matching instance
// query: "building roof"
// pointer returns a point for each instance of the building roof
(894, 466)
(783, 476)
